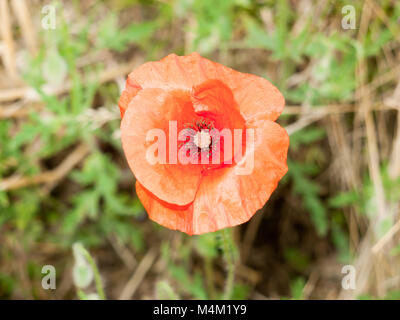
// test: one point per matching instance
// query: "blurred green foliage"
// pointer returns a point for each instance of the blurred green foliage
(97, 206)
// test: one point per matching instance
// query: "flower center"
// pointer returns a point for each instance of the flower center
(202, 139)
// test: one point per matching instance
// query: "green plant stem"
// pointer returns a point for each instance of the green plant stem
(228, 247)
(165, 291)
(209, 276)
(97, 277)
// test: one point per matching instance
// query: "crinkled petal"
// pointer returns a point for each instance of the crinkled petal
(225, 198)
(155, 109)
(170, 216)
(214, 100)
(131, 90)
(256, 97)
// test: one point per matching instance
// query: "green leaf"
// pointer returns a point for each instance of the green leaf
(54, 68)
(343, 199)
(306, 136)
(308, 190)
(297, 288)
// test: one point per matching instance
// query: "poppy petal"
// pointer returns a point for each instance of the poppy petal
(224, 198)
(170, 216)
(214, 100)
(131, 90)
(256, 97)
(152, 109)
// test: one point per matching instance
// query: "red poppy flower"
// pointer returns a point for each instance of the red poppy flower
(202, 96)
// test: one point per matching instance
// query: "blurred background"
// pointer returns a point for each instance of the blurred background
(67, 196)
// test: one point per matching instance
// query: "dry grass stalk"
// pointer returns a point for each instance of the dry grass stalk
(23, 16)
(139, 274)
(30, 94)
(58, 173)
(9, 45)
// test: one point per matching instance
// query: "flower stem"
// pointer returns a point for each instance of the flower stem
(97, 277)
(229, 249)
(165, 291)
(209, 276)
